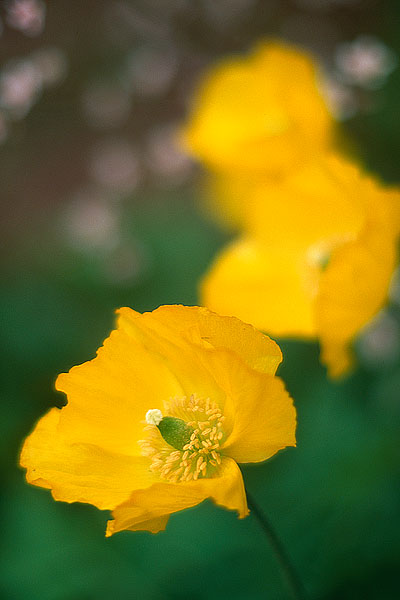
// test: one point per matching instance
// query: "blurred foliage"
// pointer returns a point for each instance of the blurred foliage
(334, 499)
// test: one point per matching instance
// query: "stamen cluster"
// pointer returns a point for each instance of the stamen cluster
(200, 456)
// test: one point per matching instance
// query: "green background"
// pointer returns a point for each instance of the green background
(335, 498)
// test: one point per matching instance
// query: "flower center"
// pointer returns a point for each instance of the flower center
(184, 444)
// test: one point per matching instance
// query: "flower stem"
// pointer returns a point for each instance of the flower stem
(290, 575)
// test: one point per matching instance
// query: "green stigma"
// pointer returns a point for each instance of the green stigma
(175, 432)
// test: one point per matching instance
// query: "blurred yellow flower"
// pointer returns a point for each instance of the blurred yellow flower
(316, 260)
(159, 419)
(262, 112)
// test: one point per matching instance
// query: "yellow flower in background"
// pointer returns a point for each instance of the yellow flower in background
(158, 421)
(261, 112)
(317, 258)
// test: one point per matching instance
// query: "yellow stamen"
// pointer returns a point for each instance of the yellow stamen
(200, 456)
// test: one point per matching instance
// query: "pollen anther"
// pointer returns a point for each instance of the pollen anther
(200, 456)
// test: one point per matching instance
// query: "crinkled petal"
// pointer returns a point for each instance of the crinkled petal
(80, 472)
(211, 347)
(152, 525)
(260, 414)
(175, 352)
(204, 328)
(268, 287)
(149, 509)
(109, 396)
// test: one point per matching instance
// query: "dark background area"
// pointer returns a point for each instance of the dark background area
(101, 210)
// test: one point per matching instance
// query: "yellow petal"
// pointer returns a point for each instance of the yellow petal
(248, 114)
(269, 287)
(175, 352)
(258, 410)
(324, 199)
(353, 288)
(80, 472)
(151, 525)
(211, 346)
(202, 327)
(149, 509)
(230, 196)
(320, 204)
(109, 396)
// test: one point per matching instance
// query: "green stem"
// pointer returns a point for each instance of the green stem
(291, 577)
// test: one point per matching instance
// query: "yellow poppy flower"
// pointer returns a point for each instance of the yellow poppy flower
(317, 258)
(262, 112)
(158, 421)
